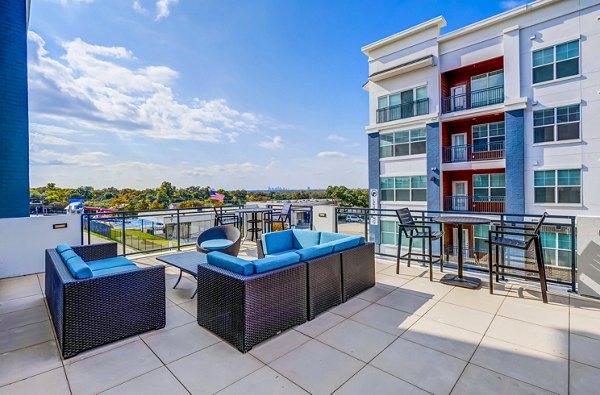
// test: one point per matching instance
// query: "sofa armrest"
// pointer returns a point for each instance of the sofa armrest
(94, 252)
(259, 248)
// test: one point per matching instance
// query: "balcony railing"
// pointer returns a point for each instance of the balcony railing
(473, 152)
(473, 99)
(404, 110)
(484, 204)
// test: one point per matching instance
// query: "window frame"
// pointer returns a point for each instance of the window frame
(556, 187)
(410, 142)
(489, 197)
(555, 124)
(401, 103)
(487, 138)
(417, 243)
(556, 249)
(410, 188)
(555, 61)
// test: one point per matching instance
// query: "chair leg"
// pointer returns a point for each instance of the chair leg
(490, 264)
(399, 252)
(539, 257)
(410, 241)
(430, 259)
(497, 263)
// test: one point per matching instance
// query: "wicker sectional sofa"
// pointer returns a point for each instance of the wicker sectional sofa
(95, 297)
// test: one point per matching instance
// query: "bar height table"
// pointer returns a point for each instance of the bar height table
(253, 229)
(460, 280)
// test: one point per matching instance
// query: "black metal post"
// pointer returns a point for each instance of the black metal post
(123, 236)
(336, 219)
(89, 222)
(179, 231)
(573, 257)
(366, 216)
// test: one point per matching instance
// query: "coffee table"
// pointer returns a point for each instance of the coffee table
(186, 262)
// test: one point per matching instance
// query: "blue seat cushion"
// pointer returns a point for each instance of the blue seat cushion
(67, 254)
(109, 263)
(115, 270)
(231, 263)
(305, 238)
(63, 247)
(315, 251)
(347, 243)
(215, 244)
(327, 237)
(281, 252)
(277, 241)
(78, 268)
(275, 262)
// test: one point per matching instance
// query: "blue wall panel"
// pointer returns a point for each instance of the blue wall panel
(433, 162)
(374, 171)
(515, 161)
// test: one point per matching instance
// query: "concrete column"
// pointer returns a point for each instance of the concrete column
(512, 73)
(515, 161)
(374, 171)
(433, 167)
(14, 121)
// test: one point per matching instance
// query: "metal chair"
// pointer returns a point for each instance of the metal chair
(282, 217)
(225, 218)
(526, 236)
(409, 227)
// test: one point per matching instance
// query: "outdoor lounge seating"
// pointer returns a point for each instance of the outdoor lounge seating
(225, 239)
(95, 297)
(281, 218)
(226, 218)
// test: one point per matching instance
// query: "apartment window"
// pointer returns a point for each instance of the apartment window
(480, 238)
(404, 189)
(488, 137)
(557, 186)
(557, 248)
(404, 143)
(389, 235)
(405, 104)
(556, 124)
(485, 88)
(489, 187)
(556, 62)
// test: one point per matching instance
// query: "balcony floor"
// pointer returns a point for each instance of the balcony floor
(405, 335)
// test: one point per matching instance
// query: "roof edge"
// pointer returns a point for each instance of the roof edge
(438, 22)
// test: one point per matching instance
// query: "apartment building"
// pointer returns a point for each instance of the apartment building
(500, 116)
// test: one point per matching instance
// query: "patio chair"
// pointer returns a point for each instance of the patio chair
(225, 218)
(523, 238)
(282, 217)
(226, 239)
(410, 229)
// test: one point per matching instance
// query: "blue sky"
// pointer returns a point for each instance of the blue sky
(231, 94)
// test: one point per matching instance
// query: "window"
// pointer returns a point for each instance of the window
(480, 237)
(489, 187)
(405, 104)
(488, 137)
(404, 143)
(389, 235)
(556, 124)
(557, 248)
(557, 186)
(404, 189)
(487, 89)
(556, 62)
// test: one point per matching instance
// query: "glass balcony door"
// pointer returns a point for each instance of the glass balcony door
(460, 199)
(459, 147)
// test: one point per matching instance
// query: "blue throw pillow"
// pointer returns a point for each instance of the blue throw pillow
(315, 251)
(231, 263)
(277, 241)
(78, 268)
(67, 254)
(347, 243)
(326, 237)
(305, 238)
(275, 262)
(63, 247)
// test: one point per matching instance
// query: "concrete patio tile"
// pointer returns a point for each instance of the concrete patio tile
(19, 287)
(42, 281)
(381, 265)
(317, 367)
(585, 350)
(190, 307)
(392, 281)
(155, 382)
(385, 319)
(350, 307)
(358, 340)
(25, 336)
(536, 312)
(108, 369)
(265, 381)
(178, 342)
(213, 368)
(23, 317)
(459, 343)
(53, 382)
(275, 347)
(27, 302)
(408, 302)
(371, 380)
(26, 362)
(416, 270)
(176, 316)
(424, 367)
(376, 292)
(540, 338)
(540, 369)
(461, 317)
(585, 317)
(477, 380)
(320, 324)
(584, 379)
(435, 289)
(184, 291)
(100, 350)
(476, 299)
(534, 295)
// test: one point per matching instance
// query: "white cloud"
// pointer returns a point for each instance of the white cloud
(162, 8)
(331, 154)
(137, 7)
(508, 4)
(276, 143)
(336, 137)
(45, 139)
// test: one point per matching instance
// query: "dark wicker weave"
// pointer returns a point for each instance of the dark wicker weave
(259, 248)
(246, 310)
(99, 310)
(324, 282)
(358, 270)
(221, 232)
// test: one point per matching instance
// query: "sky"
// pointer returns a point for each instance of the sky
(221, 93)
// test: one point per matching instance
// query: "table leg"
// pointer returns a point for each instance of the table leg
(460, 251)
(459, 280)
(179, 279)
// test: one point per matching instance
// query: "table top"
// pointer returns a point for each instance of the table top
(254, 210)
(456, 220)
(186, 261)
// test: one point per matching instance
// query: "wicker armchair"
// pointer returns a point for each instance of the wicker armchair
(95, 311)
(228, 232)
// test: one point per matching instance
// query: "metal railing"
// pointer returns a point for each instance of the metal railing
(483, 204)
(163, 230)
(473, 99)
(404, 110)
(473, 152)
(475, 259)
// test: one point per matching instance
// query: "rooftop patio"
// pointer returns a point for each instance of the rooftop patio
(405, 335)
